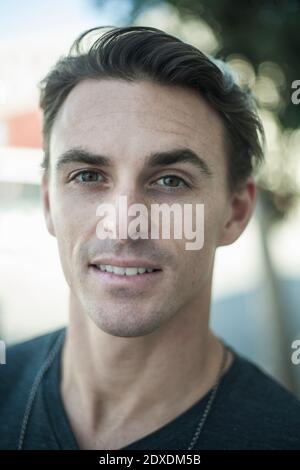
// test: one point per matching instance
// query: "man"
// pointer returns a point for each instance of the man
(143, 115)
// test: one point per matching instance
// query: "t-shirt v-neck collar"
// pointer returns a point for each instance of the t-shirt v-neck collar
(180, 429)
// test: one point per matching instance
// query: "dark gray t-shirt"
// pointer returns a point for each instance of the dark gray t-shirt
(251, 410)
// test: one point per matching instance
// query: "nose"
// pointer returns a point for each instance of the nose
(127, 216)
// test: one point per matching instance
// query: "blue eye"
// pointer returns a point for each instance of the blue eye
(172, 181)
(87, 176)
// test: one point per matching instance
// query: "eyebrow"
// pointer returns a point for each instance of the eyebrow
(155, 159)
(80, 155)
(179, 155)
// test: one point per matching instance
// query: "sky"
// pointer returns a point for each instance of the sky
(35, 33)
(37, 17)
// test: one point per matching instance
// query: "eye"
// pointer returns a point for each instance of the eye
(172, 182)
(87, 176)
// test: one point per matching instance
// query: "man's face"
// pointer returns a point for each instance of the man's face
(128, 122)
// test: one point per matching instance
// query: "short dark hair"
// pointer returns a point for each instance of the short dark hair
(144, 53)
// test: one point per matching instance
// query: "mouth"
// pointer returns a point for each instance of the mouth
(127, 275)
(124, 271)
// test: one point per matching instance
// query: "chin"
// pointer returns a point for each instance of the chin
(123, 325)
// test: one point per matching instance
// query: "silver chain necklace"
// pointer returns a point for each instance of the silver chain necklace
(48, 362)
(211, 400)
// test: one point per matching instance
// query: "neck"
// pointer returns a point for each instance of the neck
(166, 371)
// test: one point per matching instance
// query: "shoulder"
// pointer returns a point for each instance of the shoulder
(260, 408)
(260, 389)
(28, 353)
(23, 361)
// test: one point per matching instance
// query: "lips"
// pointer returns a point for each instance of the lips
(132, 275)
(126, 263)
(125, 271)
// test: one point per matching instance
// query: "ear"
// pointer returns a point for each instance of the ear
(240, 209)
(46, 204)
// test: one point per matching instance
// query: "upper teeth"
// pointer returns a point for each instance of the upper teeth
(132, 271)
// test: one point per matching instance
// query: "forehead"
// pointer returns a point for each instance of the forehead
(129, 119)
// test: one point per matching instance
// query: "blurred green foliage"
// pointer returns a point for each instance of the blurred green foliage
(261, 31)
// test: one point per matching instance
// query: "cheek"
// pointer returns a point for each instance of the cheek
(196, 265)
(200, 230)
(75, 224)
(214, 210)
(73, 214)
(192, 266)
(193, 273)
